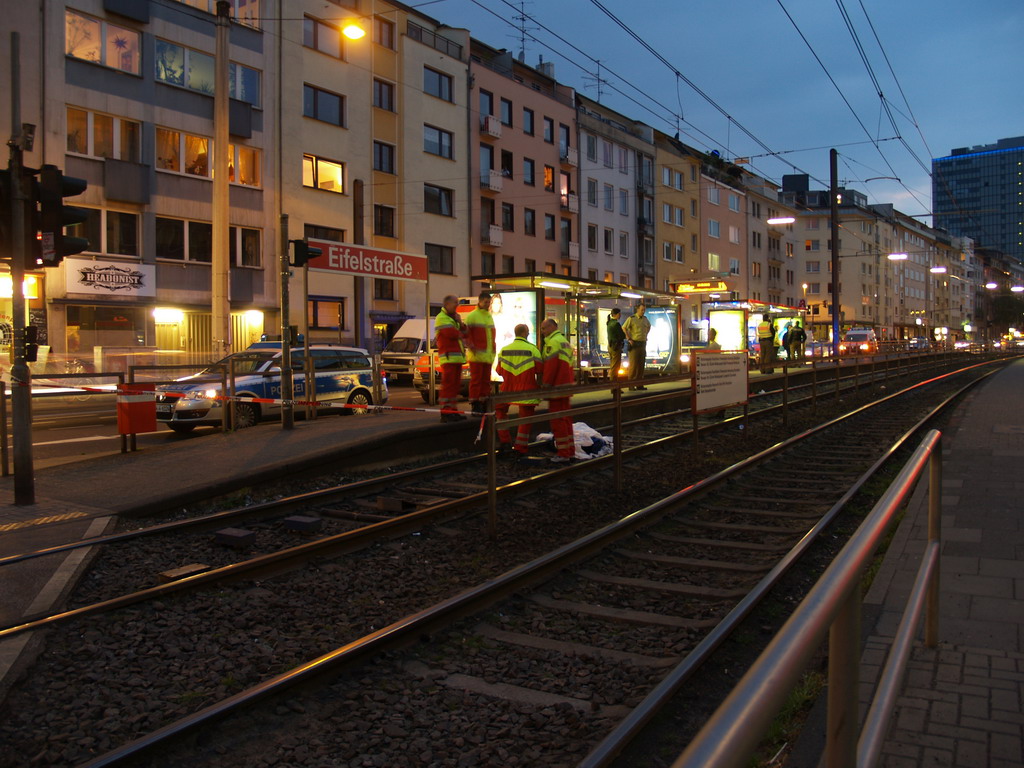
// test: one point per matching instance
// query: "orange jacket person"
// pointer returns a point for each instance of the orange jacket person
(557, 362)
(480, 348)
(448, 330)
(517, 366)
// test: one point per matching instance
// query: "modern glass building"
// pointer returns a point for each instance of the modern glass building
(979, 193)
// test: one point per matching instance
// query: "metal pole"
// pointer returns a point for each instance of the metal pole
(221, 254)
(492, 474)
(21, 377)
(785, 393)
(287, 390)
(843, 681)
(307, 364)
(617, 445)
(834, 215)
(931, 621)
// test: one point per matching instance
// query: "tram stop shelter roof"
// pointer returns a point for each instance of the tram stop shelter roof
(575, 286)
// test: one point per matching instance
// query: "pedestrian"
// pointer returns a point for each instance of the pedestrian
(766, 341)
(797, 338)
(480, 343)
(616, 340)
(517, 366)
(785, 340)
(448, 333)
(713, 344)
(556, 360)
(636, 329)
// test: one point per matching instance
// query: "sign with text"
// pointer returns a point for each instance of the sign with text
(700, 286)
(109, 278)
(719, 380)
(360, 261)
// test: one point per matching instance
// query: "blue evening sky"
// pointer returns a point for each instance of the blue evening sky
(958, 76)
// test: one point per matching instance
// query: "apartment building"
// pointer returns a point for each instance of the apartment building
(770, 274)
(523, 164)
(617, 187)
(723, 228)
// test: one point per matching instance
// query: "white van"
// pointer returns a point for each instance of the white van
(409, 343)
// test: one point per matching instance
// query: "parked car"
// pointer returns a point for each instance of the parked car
(919, 342)
(401, 353)
(859, 341)
(342, 374)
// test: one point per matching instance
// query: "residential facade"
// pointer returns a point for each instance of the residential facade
(523, 163)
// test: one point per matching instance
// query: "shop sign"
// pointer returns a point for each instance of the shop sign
(367, 262)
(110, 278)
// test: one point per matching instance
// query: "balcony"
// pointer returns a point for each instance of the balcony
(645, 226)
(490, 127)
(492, 234)
(572, 253)
(491, 181)
(570, 202)
(569, 156)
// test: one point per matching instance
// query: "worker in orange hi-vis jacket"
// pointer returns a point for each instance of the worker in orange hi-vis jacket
(517, 365)
(448, 332)
(480, 349)
(556, 359)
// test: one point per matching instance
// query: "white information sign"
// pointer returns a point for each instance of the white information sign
(719, 380)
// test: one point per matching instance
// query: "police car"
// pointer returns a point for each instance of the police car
(343, 374)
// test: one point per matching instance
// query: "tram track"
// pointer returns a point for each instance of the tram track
(752, 532)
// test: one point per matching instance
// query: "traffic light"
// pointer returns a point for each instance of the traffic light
(53, 187)
(301, 253)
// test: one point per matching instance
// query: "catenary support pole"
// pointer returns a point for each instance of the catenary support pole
(221, 252)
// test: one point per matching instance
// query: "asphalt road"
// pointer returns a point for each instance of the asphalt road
(69, 428)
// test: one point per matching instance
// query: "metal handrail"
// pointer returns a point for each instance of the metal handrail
(833, 604)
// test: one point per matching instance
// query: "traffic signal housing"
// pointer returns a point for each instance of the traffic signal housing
(54, 215)
(302, 253)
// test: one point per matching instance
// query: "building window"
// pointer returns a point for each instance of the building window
(440, 257)
(755, 269)
(713, 195)
(591, 237)
(508, 223)
(693, 243)
(549, 130)
(186, 68)
(101, 42)
(714, 262)
(734, 266)
(607, 152)
(321, 37)
(549, 179)
(507, 162)
(814, 266)
(437, 200)
(549, 227)
(609, 197)
(666, 213)
(246, 247)
(591, 142)
(624, 244)
(693, 208)
(528, 121)
(506, 112)
(679, 254)
(383, 289)
(734, 234)
(323, 105)
(592, 191)
(528, 172)
(108, 232)
(713, 228)
(609, 240)
(326, 313)
(529, 221)
(623, 160)
(324, 233)
(97, 135)
(383, 157)
(323, 174)
(437, 141)
(384, 220)
(182, 152)
(666, 250)
(624, 201)
(384, 32)
(734, 202)
(487, 263)
(383, 95)
(437, 84)
(183, 240)
(486, 102)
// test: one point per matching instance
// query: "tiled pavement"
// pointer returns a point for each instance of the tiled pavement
(962, 704)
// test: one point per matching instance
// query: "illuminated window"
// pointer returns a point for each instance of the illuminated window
(322, 174)
(97, 135)
(101, 42)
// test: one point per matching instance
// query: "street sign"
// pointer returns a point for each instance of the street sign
(700, 286)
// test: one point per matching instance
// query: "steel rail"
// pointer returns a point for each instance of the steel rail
(291, 557)
(474, 599)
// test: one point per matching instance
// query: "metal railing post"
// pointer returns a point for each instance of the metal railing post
(843, 682)
(124, 438)
(785, 393)
(4, 450)
(492, 472)
(931, 625)
(229, 420)
(837, 377)
(617, 445)
(814, 383)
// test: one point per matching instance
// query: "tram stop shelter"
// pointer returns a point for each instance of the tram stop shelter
(581, 308)
(737, 321)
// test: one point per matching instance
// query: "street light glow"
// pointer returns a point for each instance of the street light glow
(991, 286)
(898, 256)
(1017, 288)
(353, 31)
(938, 270)
(782, 220)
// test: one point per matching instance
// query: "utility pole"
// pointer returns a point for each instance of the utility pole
(220, 257)
(287, 390)
(834, 216)
(21, 377)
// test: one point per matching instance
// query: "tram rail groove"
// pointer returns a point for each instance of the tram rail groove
(474, 600)
(266, 565)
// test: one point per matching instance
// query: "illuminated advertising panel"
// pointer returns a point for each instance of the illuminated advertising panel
(731, 327)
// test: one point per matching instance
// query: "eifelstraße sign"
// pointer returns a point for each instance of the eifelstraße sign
(361, 261)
